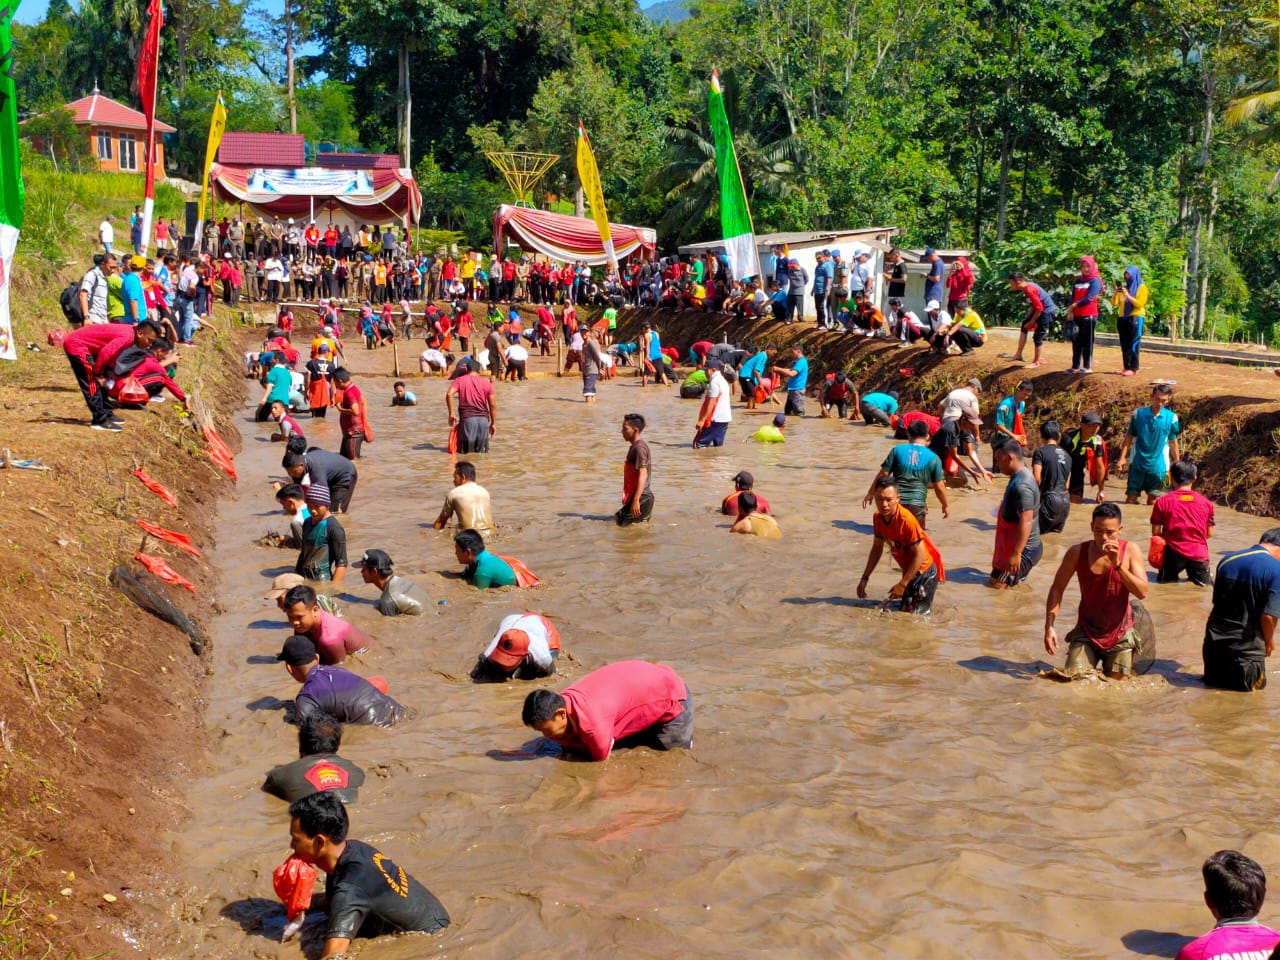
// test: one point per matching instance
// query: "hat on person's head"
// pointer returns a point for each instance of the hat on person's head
(283, 584)
(793, 263)
(138, 262)
(1091, 417)
(714, 364)
(513, 646)
(375, 560)
(975, 383)
(318, 494)
(929, 251)
(894, 394)
(779, 419)
(323, 348)
(835, 252)
(297, 651)
(743, 478)
(931, 306)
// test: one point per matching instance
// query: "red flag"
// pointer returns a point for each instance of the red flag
(179, 540)
(162, 570)
(148, 62)
(159, 489)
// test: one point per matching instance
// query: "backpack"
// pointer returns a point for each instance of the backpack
(69, 300)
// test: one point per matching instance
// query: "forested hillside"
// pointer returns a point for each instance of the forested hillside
(976, 123)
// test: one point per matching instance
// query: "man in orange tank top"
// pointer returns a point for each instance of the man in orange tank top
(1110, 572)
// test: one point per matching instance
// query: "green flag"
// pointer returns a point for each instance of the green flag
(12, 191)
(735, 217)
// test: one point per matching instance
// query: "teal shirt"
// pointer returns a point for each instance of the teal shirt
(1006, 412)
(1151, 435)
(881, 401)
(488, 570)
(281, 384)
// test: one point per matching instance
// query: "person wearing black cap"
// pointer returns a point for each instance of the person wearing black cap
(743, 482)
(400, 595)
(318, 767)
(716, 412)
(1088, 451)
(341, 694)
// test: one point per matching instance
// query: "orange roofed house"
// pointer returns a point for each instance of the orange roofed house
(117, 134)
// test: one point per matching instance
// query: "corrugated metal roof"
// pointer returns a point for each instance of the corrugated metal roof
(358, 161)
(271, 150)
(103, 111)
(803, 238)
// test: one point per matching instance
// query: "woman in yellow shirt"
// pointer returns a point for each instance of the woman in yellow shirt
(1131, 300)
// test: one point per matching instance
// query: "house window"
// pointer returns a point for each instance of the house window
(104, 144)
(128, 151)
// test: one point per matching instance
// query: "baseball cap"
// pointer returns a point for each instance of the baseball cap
(835, 252)
(138, 262)
(375, 560)
(779, 419)
(297, 651)
(1091, 417)
(323, 348)
(283, 584)
(318, 493)
(793, 263)
(975, 383)
(512, 647)
(744, 479)
(714, 364)
(929, 251)
(932, 305)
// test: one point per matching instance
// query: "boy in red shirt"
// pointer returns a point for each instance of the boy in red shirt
(629, 704)
(1184, 519)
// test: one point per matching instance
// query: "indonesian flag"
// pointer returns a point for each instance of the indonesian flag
(148, 63)
(735, 217)
(12, 190)
(590, 177)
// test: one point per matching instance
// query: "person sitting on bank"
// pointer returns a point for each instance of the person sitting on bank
(772, 432)
(323, 555)
(877, 408)
(1240, 632)
(743, 482)
(1184, 520)
(1110, 572)
(526, 647)
(485, 569)
(400, 595)
(335, 639)
(343, 695)
(318, 767)
(468, 501)
(632, 703)
(1234, 890)
(366, 894)
(910, 547)
(753, 521)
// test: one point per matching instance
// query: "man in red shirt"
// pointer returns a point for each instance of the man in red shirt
(629, 704)
(1184, 519)
(743, 482)
(83, 347)
(477, 411)
(353, 418)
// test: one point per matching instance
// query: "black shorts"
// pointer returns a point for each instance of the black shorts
(1225, 671)
(673, 734)
(1038, 329)
(1175, 563)
(624, 518)
(1054, 508)
(920, 512)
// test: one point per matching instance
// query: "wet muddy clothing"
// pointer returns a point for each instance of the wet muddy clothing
(345, 697)
(402, 597)
(1055, 472)
(1245, 587)
(319, 772)
(626, 700)
(324, 547)
(336, 638)
(370, 896)
(335, 472)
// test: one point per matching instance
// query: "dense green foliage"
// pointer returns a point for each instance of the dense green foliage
(1006, 126)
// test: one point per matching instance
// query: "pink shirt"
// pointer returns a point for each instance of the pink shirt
(1186, 517)
(619, 700)
(335, 638)
(1232, 940)
(473, 392)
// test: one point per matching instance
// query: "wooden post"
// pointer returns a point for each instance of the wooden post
(559, 356)
(395, 357)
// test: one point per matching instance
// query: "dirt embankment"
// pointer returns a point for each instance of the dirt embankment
(100, 712)
(1230, 417)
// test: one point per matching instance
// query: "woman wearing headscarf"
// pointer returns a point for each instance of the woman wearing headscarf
(1084, 310)
(1131, 300)
(959, 283)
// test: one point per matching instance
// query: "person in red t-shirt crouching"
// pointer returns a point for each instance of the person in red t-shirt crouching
(742, 483)
(1184, 519)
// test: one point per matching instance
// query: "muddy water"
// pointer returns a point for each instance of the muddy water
(861, 783)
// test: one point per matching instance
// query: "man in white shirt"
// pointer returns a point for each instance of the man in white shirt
(517, 360)
(93, 291)
(962, 404)
(716, 412)
(107, 233)
(525, 647)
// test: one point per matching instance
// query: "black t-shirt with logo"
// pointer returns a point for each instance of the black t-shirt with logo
(319, 772)
(370, 896)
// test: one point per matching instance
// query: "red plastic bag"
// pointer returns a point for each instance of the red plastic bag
(162, 570)
(524, 576)
(132, 391)
(1155, 553)
(55, 337)
(217, 443)
(179, 540)
(294, 882)
(453, 439)
(380, 684)
(159, 489)
(222, 460)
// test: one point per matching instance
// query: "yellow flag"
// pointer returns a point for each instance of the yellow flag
(216, 126)
(590, 178)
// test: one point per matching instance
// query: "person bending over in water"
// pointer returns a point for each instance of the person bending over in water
(366, 894)
(911, 548)
(628, 704)
(1110, 571)
(318, 767)
(1234, 889)
(526, 647)
(754, 521)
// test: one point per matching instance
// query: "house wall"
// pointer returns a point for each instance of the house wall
(98, 135)
(807, 255)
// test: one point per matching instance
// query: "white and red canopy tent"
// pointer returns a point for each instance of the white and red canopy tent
(561, 237)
